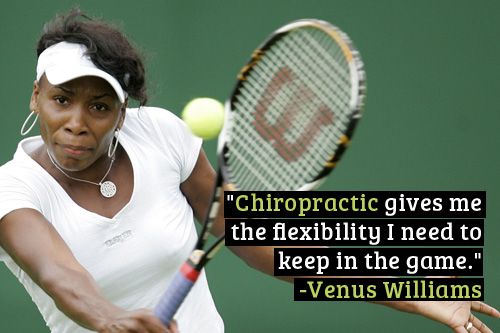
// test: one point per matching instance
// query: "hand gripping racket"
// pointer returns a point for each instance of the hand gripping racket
(288, 121)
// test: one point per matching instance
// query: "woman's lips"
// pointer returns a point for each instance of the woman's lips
(75, 150)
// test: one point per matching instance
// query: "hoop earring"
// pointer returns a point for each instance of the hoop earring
(25, 131)
(112, 147)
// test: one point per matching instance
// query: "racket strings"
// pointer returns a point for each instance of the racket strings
(282, 99)
(253, 157)
(315, 47)
(276, 151)
(330, 60)
(259, 155)
(341, 95)
(308, 72)
(296, 128)
(338, 75)
(303, 166)
(307, 80)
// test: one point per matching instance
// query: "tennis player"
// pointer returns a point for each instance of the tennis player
(97, 212)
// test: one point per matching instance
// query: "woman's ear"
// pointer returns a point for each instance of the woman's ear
(123, 111)
(34, 96)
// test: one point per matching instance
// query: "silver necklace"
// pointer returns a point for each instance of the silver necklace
(108, 188)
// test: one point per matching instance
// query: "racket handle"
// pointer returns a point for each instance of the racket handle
(177, 291)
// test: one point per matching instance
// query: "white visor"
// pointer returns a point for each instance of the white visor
(63, 62)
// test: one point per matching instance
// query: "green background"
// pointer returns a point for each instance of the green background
(431, 121)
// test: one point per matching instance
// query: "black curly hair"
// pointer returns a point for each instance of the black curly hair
(107, 46)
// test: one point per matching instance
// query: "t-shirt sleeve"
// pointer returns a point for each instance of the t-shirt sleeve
(14, 194)
(176, 140)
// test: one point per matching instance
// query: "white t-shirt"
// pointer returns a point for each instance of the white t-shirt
(134, 255)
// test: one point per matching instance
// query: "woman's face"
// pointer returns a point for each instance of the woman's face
(77, 119)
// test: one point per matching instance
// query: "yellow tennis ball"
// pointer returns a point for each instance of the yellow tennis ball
(204, 116)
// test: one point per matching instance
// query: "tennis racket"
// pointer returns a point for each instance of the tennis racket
(288, 121)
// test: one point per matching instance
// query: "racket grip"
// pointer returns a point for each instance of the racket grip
(177, 291)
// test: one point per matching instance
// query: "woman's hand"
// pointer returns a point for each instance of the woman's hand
(457, 315)
(137, 321)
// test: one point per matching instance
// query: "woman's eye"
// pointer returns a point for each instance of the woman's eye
(100, 107)
(61, 99)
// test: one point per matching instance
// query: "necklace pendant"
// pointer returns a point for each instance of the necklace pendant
(108, 189)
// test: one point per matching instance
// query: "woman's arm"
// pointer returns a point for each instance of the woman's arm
(198, 189)
(38, 249)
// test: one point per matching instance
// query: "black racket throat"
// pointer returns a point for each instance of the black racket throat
(200, 257)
